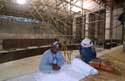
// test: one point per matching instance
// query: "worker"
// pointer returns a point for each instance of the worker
(87, 51)
(52, 59)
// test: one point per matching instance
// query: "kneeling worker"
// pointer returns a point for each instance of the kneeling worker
(87, 51)
(52, 59)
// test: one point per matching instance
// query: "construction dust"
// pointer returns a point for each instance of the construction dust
(117, 61)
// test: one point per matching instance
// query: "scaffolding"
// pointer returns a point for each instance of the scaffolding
(72, 25)
(89, 20)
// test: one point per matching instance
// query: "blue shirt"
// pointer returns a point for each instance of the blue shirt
(87, 54)
(48, 59)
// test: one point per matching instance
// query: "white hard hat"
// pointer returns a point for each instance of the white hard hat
(86, 42)
(55, 44)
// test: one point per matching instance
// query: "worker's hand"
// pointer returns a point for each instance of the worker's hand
(55, 67)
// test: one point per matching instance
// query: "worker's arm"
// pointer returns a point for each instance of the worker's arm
(60, 59)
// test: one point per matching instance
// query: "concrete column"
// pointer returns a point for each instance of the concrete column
(107, 26)
(74, 27)
(87, 25)
(83, 27)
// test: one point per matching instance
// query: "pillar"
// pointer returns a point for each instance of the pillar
(87, 25)
(107, 26)
(74, 27)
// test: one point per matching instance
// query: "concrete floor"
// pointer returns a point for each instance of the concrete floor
(24, 66)
(116, 59)
(19, 67)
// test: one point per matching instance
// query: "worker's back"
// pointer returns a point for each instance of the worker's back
(87, 54)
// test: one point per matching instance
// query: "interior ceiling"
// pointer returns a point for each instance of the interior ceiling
(61, 7)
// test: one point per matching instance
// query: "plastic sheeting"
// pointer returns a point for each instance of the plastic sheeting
(75, 71)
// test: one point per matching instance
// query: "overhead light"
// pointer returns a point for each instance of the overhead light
(76, 9)
(21, 2)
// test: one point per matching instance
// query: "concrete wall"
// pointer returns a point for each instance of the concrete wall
(123, 46)
(14, 29)
(124, 27)
(0, 44)
(117, 27)
(97, 26)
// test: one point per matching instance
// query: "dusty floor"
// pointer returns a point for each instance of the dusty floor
(117, 60)
(29, 65)
(21, 67)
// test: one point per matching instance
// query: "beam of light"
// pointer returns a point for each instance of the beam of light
(21, 2)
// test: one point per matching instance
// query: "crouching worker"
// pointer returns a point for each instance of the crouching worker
(87, 51)
(52, 59)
